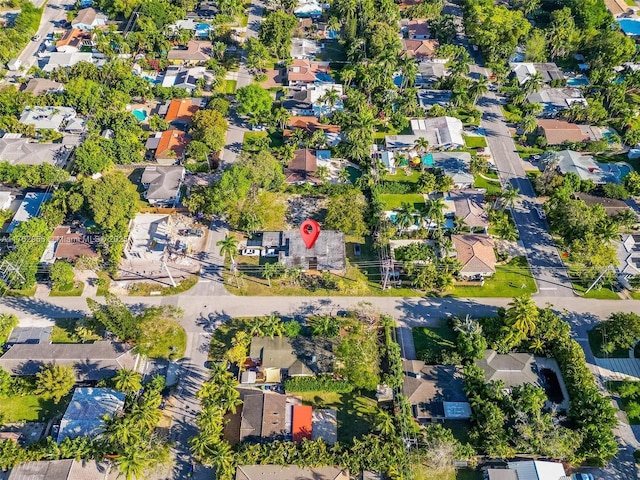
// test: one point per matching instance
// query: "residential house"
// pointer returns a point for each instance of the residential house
(316, 95)
(528, 470)
(65, 60)
(476, 254)
(456, 165)
(429, 98)
(554, 100)
(303, 71)
(585, 167)
(429, 72)
(302, 167)
(612, 206)
(289, 472)
(149, 237)
(628, 252)
(50, 118)
(274, 359)
(418, 29)
(297, 104)
(327, 254)
(162, 184)
(91, 361)
(513, 369)
(557, 132)
(469, 207)
(22, 151)
(73, 40)
(40, 86)
(618, 8)
(168, 147)
(29, 207)
(195, 52)
(70, 245)
(435, 392)
(420, 49)
(207, 10)
(88, 19)
(182, 77)
(304, 48)
(69, 469)
(523, 71)
(85, 415)
(308, 9)
(76, 126)
(309, 124)
(441, 132)
(180, 111)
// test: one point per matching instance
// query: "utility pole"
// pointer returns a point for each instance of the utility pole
(609, 268)
(166, 269)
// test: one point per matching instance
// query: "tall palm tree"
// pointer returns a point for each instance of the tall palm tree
(228, 247)
(133, 462)
(434, 207)
(409, 69)
(281, 116)
(347, 75)
(478, 88)
(404, 216)
(528, 124)
(522, 315)
(322, 173)
(330, 98)
(421, 144)
(127, 381)
(509, 196)
(344, 176)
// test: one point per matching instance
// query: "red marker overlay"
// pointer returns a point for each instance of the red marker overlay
(309, 230)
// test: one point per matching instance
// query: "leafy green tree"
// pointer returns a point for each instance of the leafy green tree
(621, 330)
(276, 32)
(255, 101)
(272, 270)
(62, 275)
(157, 123)
(54, 381)
(632, 183)
(359, 355)
(324, 326)
(93, 156)
(345, 212)
(257, 54)
(197, 151)
(116, 317)
(209, 127)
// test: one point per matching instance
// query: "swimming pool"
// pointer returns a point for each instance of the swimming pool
(577, 81)
(141, 115)
(630, 26)
(624, 170)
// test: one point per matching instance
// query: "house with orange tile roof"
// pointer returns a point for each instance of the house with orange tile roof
(73, 40)
(557, 132)
(180, 111)
(418, 29)
(476, 255)
(170, 147)
(420, 49)
(301, 426)
(304, 71)
(195, 52)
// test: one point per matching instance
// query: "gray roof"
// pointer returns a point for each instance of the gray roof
(538, 470)
(501, 474)
(584, 166)
(262, 415)
(29, 208)
(276, 472)
(456, 165)
(84, 415)
(61, 470)
(59, 59)
(428, 386)
(299, 355)
(20, 151)
(439, 131)
(553, 99)
(429, 98)
(92, 361)
(163, 182)
(468, 205)
(38, 86)
(47, 117)
(513, 369)
(524, 70)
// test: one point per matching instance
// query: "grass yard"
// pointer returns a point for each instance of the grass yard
(635, 295)
(103, 287)
(333, 51)
(29, 408)
(392, 201)
(475, 141)
(75, 291)
(492, 187)
(595, 343)
(145, 289)
(402, 177)
(164, 338)
(506, 282)
(228, 87)
(468, 474)
(431, 341)
(599, 292)
(356, 412)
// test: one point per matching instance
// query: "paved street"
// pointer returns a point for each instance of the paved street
(546, 264)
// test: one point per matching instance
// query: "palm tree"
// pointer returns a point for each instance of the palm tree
(409, 69)
(273, 326)
(404, 216)
(434, 208)
(343, 175)
(509, 195)
(330, 98)
(228, 247)
(347, 74)
(528, 124)
(478, 88)
(134, 461)
(281, 116)
(297, 136)
(607, 231)
(522, 316)
(468, 325)
(533, 83)
(127, 381)
(218, 49)
(322, 173)
(385, 423)
(54, 381)
(421, 144)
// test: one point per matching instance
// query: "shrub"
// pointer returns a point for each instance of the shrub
(324, 383)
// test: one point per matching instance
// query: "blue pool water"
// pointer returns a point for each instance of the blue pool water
(630, 26)
(141, 115)
(577, 81)
(624, 170)
(397, 80)
(324, 77)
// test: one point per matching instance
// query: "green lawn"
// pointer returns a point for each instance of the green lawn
(599, 292)
(333, 51)
(106, 283)
(431, 341)
(76, 291)
(506, 282)
(29, 408)
(392, 200)
(475, 141)
(221, 338)
(145, 289)
(400, 176)
(468, 474)
(635, 295)
(595, 342)
(164, 338)
(228, 86)
(493, 188)
(356, 412)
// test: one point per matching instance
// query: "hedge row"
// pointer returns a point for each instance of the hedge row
(317, 384)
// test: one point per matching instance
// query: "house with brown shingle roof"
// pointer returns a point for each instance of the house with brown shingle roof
(468, 205)
(557, 132)
(418, 29)
(308, 124)
(289, 472)
(195, 52)
(71, 245)
(302, 167)
(88, 19)
(420, 49)
(475, 253)
(171, 147)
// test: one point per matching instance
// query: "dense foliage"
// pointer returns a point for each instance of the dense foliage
(322, 383)
(14, 38)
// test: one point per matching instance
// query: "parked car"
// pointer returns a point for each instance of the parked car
(191, 232)
(582, 476)
(35, 38)
(250, 252)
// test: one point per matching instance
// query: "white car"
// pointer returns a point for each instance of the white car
(250, 252)
(35, 38)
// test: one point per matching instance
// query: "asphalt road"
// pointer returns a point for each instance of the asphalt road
(546, 265)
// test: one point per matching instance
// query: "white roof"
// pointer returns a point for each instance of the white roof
(439, 131)
(59, 59)
(537, 470)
